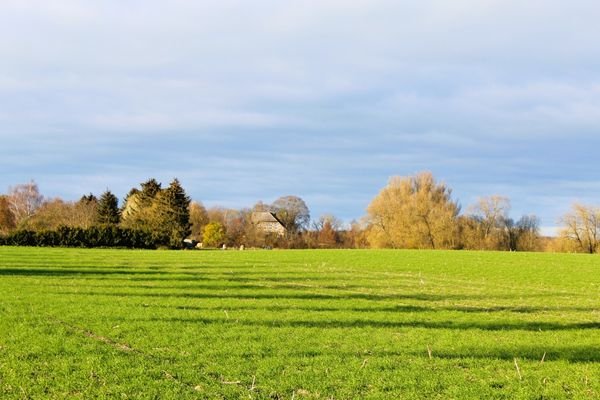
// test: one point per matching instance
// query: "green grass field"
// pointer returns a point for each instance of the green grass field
(298, 324)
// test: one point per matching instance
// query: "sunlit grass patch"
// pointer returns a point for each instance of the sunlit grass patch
(302, 324)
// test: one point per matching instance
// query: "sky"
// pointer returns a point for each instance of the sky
(326, 100)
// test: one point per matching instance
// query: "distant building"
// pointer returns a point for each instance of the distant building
(267, 222)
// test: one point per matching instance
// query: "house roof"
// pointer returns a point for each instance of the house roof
(264, 216)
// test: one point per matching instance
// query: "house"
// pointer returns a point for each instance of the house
(267, 222)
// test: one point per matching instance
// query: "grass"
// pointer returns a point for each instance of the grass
(298, 324)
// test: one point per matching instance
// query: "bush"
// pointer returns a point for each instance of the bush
(95, 236)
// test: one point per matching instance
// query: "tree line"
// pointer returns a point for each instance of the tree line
(414, 212)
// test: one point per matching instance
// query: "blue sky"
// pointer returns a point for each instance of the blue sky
(246, 101)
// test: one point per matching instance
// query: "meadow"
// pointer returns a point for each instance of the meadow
(319, 324)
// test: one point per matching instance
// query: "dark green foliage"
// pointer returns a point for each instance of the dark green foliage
(163, 212)
(172, 215)
(150, 189)
(108, 209)
(22, 238)
(95, 236)
(87, 199)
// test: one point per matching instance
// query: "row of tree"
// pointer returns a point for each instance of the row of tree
(418, 212)
(409, 212)
(162, 215)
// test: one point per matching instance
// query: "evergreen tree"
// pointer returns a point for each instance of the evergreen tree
(150, 189)
(130, 208)
(107, 211)
(172, 213)
(88, 199)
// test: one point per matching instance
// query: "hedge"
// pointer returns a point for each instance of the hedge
(95, 236)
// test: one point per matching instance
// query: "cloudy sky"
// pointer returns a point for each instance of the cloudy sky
(246, 101)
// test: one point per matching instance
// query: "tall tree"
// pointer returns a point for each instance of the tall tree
(137, 211)
(84, 211)
(24, 200)
(150, 189)
(487, 225)
(198, 219)
(132, 206)
(413, 212)
(293, 212)
(528, 233)
(172, 212)
(581, 227)
(107, 211)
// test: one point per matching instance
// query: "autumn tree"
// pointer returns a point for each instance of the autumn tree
(85, 211)
(24, 200)
(485, 226)
(413, 212)
(326, 230)
(488, 226)
(107, 209)
(527, 234)
(356, 236)
(213, 234)
(198, 219)
(50, 215)
(7, 219)
(581, 227)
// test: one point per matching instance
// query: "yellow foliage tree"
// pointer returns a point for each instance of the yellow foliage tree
(413, 212)
(581, 228)
(213, 234)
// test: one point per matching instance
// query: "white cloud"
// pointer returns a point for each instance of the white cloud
(339, 95)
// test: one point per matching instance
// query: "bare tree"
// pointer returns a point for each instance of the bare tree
(487, 225)
(581, 226)
(528, 233)
(326, 232)
(24, 200)
(293, 212)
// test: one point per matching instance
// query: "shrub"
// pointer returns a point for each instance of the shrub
(95, 236)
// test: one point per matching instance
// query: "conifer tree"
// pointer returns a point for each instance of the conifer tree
(107, 211)
(172, 213)
(137, 207)
(150, 189)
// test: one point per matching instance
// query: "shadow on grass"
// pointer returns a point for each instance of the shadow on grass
(333, 324)
(528, 353)
(387, 309)
(72, 272)
(216, 285)
(153, 274)
(574, 354)
(299, 295)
